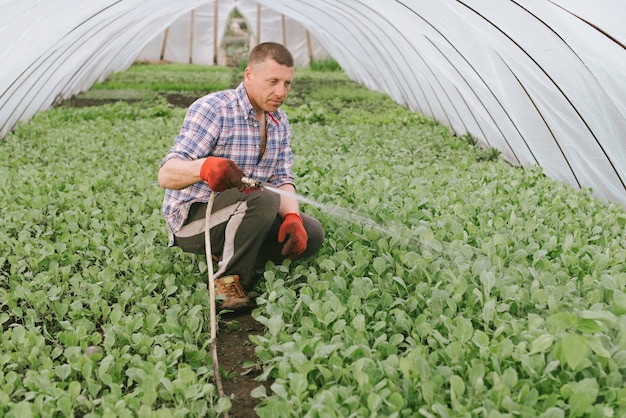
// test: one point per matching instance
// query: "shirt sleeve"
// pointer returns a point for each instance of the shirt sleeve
(283, 174)
(198, 134)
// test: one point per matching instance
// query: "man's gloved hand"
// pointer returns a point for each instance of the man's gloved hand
(222, 174)
(293, 227)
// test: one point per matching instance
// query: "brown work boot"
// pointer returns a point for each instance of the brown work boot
(231, 289)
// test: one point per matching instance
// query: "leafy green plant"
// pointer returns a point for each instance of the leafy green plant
(469, 293)
(169, 77)
(324, 64)
(490, 154)
(445, 287)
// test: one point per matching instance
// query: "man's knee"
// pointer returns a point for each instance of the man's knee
(315, 232)
(263, 204)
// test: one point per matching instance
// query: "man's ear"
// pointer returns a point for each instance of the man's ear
(248, 74)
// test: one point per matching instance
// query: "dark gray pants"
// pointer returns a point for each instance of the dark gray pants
(244, 232)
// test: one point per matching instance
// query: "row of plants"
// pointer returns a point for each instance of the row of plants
(450, 283)
(477, 289)
(99, 317)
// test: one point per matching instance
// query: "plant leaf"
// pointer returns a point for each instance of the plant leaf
(574, 348)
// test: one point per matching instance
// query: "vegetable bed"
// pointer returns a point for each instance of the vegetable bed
(450, 283)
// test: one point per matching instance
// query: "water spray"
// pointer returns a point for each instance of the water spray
(252, 184)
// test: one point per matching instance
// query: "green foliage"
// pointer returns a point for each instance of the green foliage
(322, 97)
(324, 64)
(169, 77)
(476, 288)
(241, 66)
(490, 154)
(98, 316)
(449, 284)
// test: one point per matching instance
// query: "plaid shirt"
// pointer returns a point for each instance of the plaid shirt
(223, 124)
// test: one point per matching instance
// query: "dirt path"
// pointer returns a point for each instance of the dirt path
(235, 350)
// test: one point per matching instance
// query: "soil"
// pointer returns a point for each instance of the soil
(174, 99)
(234, 350)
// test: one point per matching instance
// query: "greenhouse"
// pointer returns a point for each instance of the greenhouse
(466, 159)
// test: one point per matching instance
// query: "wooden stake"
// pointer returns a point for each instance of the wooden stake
(191, 31)
(165, 35)
(308, 46)
(284, 29)
(258, 23)
(215, 30)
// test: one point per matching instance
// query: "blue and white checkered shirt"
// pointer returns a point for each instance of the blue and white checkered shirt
(223, 124)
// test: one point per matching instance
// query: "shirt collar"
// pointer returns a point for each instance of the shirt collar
(246, 106)
(244, 101)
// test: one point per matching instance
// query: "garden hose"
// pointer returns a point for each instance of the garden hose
(213, 312)
(249, 184)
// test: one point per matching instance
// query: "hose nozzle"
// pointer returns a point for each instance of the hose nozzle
(251, 183)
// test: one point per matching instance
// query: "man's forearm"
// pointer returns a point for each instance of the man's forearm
(288, 204)
(177, 174)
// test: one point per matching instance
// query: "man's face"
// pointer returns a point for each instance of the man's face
(267, 85)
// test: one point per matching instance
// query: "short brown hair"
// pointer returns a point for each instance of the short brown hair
(273, 51)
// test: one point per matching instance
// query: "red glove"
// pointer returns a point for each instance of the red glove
(292, 225)
(221, 174)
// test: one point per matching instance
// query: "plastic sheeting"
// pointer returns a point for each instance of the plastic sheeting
(53, 49)
(543, 81)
